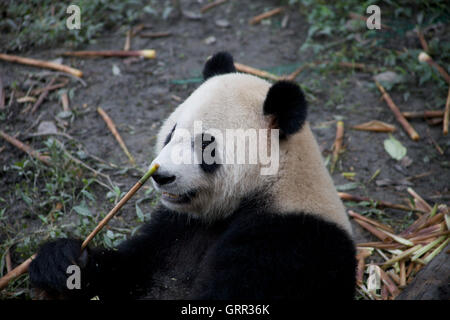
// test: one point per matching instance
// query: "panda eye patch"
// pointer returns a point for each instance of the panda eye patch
(169, 136)
(207, 152)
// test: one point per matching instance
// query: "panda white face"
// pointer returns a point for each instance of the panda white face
(187, 180)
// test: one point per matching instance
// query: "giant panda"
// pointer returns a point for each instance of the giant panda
(224, 230)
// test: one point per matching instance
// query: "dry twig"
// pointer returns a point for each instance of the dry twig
(212, 5)
(422, 40)
(18, 144)
(41, 98)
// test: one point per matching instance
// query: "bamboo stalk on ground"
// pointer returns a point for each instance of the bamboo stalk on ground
(393, 289)
(379, 245)
(446, 114)
(398, 115)
(149, 54)
(337, 144)
(402, 255)
(402, 274)
(377, 233)
(22, 268)
(212, 5)
(420, 202)
(424, 114)
(424, 57)
(256, 72)
(113, 129)
(41, 64)
(18, 144)
(65, 101)
(368, 220)
(266, 15)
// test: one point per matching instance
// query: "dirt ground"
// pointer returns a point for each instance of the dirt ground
(147, 91)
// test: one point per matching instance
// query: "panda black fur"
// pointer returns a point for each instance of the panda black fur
(285, 237)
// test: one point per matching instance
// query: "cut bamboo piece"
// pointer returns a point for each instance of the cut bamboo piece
(425, 249)
(420, 202)
(402, 255)
(113, 129)
(379, 245)
(266, 15)
(256, 72)
(337, 144)
(393, 289)
(398, 115)
(368, 220)
(149, 54)
(376, 232)
(402, 274)
(424, 57)
(424, 114)
(41, 64)
(65, 101)
(446, 114)
(436, 251)
(398, 238)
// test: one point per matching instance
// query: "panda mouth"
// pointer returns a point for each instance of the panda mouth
(178, 198)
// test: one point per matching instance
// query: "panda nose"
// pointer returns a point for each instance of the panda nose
(162, 179)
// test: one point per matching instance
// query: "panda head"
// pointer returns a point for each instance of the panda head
(199, 173)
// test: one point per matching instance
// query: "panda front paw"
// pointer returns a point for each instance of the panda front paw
(50, 270)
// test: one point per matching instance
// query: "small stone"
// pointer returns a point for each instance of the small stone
(222, 23)
(46, 127)
(210, 40)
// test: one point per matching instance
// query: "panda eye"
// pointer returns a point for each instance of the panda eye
(207, 152)
(206, 141)
(169, 136)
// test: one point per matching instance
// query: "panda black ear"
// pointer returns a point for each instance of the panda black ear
(220, 63)
(286, 102)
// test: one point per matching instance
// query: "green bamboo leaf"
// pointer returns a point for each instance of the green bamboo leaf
(394, 148)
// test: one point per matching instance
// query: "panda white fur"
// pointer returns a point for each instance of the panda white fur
(225, 231)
